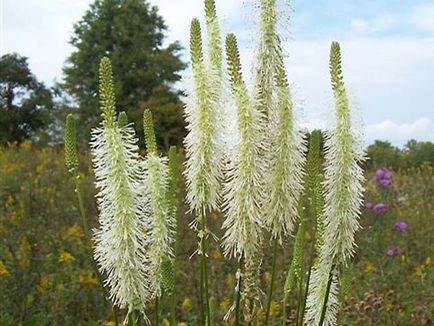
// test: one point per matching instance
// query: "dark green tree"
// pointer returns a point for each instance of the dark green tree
(418, 152)
(383, 154)
(131, 34)
(25, 103)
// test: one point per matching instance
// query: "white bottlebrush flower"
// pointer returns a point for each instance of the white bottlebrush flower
(244, 186)
(285, 176)
(120, 241)
(344, 178)
(203, 143)
(343, 191)
(155, 187)
(322, 284)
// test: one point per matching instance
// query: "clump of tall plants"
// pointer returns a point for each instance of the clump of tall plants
(267, 180)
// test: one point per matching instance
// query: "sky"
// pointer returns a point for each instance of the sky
(387, 51)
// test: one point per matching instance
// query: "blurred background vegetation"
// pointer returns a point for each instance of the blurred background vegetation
(46, 274)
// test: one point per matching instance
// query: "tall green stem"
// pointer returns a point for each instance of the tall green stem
(88, 237)
(324, 307)
(238, 294)
(204, 268)
(157, 310)
(273, 275)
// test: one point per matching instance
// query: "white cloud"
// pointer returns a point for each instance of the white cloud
(399, 133)
(423, 17)
(381, 23)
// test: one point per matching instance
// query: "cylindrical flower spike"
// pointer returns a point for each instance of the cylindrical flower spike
(122, 119)
(120, 241)
(71, 159)
(161, 231)
(285, 179)
(244, 188)
(343, 200)
(343, 173)
(203, 164)
(215, 54)
(266, 60)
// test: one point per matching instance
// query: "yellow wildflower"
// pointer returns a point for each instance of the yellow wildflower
(65, 256)
(267, 276)
(216, 254)
(307, 236)
(429, 261)
(274, 308)
(23, 252)
(3, 270)
(230, 280)
(44, 283)
(182, 324)
(225, 304)
(87, 279)
(370, 267)
(186, 304)
(166, 322)
(419, 271)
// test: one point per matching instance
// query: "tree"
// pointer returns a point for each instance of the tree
(131, 34)
(25, 103)
(383, 154)
(419, 152)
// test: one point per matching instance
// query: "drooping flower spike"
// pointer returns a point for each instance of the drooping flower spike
(120, 241)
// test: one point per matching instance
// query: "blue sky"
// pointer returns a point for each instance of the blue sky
(387, 45)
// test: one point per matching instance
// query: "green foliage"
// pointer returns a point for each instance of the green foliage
(131, 34)
(413, 154)
(25, 103)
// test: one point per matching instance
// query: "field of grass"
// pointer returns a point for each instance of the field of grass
(47, 276)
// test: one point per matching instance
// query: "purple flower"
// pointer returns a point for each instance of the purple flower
(379, 208)
(400, 226)
(383, 177)
(369, 205)
(393, 251)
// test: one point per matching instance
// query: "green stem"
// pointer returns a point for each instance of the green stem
(324, 307)
(202, 311)
(285, 303)
(300, 299)
(303, 308)
(273, 275)
(132, 319)
(157, 308)
(173, 309)
(238, 295)
(205, 269)
(88, 239)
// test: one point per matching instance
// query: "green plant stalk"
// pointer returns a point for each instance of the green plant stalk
(132, 319)
(157, 310)
(300, 299)
(205, 268)
(273, 275)
(238, 294)
(88, 238)
(285, 303)
(173, 309)
(324, 307)
(306, 292)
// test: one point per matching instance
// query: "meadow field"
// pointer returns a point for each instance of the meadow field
(47, 276)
